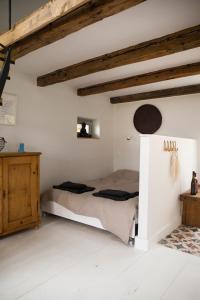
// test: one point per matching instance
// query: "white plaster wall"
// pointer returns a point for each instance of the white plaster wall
(180, 118)
(46, 122)
(159, 205)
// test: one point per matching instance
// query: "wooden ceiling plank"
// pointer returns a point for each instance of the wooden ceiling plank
(172, 43)
(69, 16)
(172, 92)
(142, 79)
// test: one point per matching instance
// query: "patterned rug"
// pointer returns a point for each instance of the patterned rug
(184, 238)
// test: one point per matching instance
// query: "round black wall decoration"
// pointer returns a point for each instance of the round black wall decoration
(147, 119)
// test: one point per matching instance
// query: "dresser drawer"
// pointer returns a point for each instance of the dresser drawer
(191, 212)
(19, 191)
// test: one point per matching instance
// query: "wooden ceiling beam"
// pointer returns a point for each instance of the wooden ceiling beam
(179, 41)
(57, 19)
(172, 92)
(43, 16)
(152, 77)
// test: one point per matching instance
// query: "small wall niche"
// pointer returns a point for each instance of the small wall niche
(87, 128)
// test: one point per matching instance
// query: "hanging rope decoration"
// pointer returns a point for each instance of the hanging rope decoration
(6, 51)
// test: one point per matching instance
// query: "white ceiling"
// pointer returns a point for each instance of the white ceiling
(151, 19)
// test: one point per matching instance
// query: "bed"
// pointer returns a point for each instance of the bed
(117, 217)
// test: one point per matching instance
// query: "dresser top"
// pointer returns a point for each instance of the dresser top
(188, 196)
(15, 154)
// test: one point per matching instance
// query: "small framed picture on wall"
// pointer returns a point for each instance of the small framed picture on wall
(8, 108)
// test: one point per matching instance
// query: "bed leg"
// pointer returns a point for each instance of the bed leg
(131, 242)
(44, 214)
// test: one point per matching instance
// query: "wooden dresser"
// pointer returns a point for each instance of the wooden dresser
(191, 209)
(19, 191)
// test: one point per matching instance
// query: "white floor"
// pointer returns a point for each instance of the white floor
(64, 260)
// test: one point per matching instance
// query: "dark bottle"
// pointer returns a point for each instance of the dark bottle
(194, 184)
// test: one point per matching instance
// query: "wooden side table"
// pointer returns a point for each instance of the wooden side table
(191, 209)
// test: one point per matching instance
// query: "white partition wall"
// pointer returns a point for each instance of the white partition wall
(159, 207)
